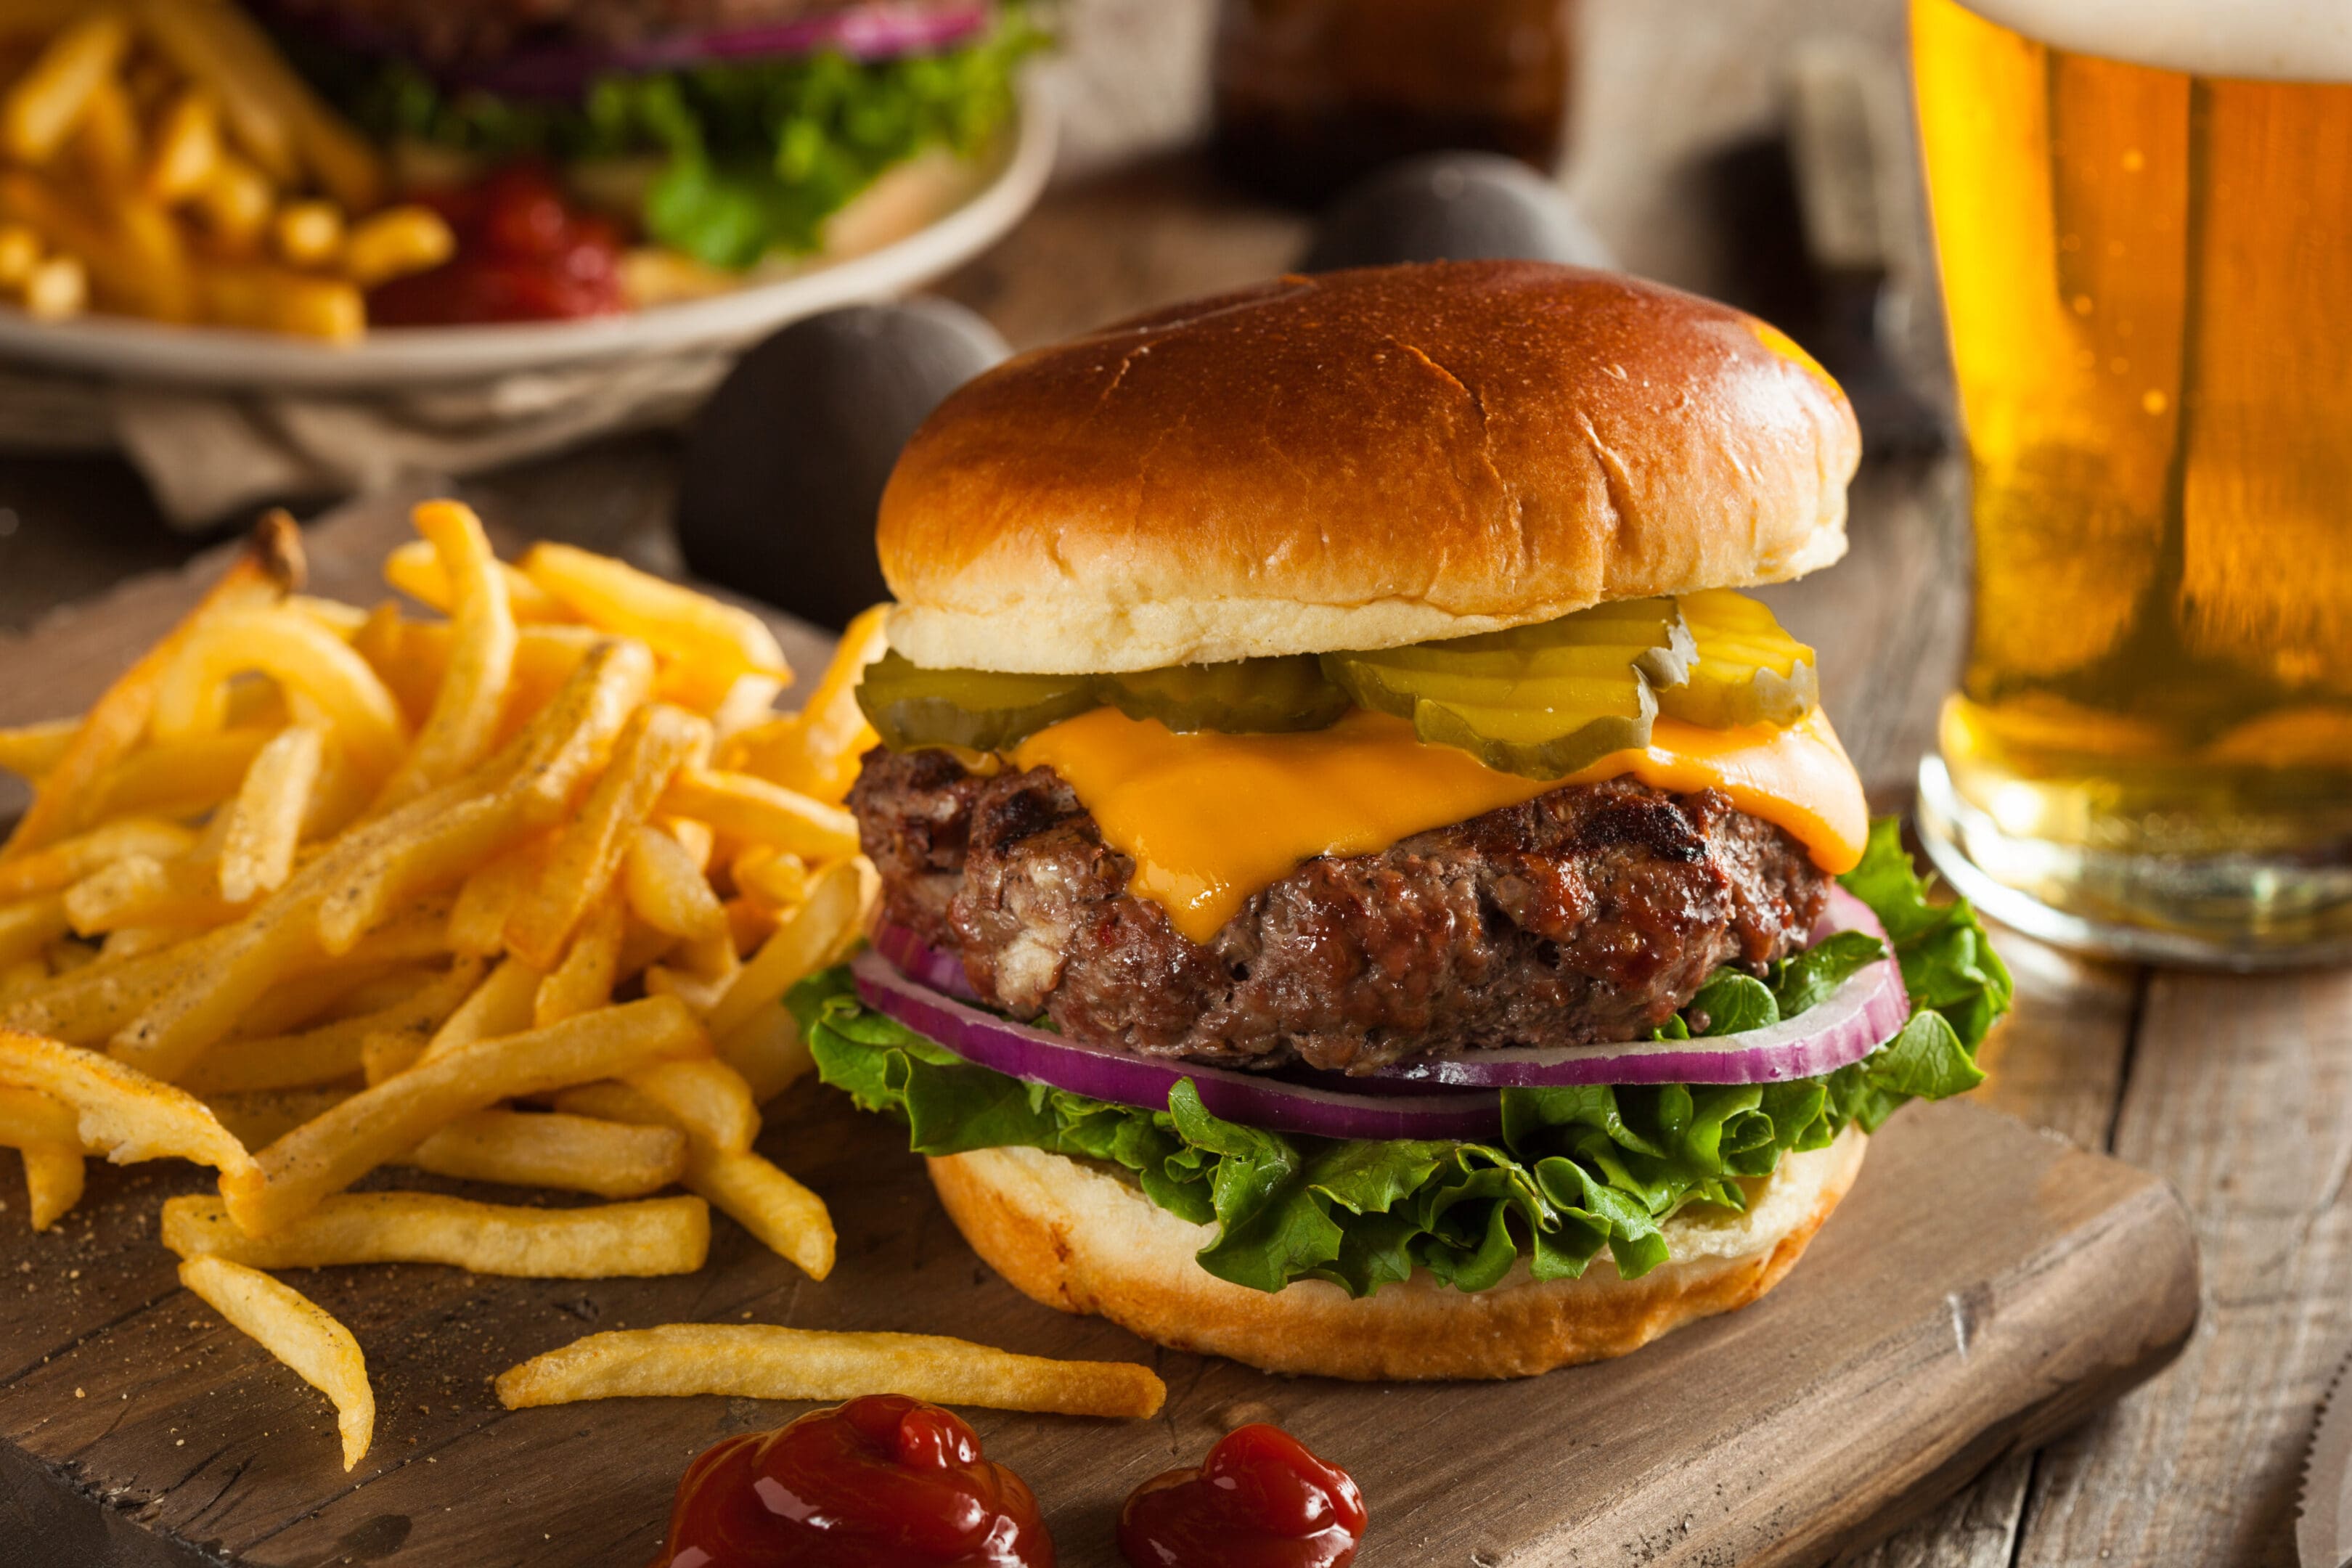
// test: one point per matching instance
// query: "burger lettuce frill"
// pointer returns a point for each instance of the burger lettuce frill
(1576, 1168)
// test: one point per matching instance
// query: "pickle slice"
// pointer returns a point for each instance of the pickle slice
(985, 709)
(1250, 696)
(1542, 701)
(1749, 670)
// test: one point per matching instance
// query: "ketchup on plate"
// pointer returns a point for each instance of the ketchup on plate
(1259, 1500)
(523, 255)
(884, 1481)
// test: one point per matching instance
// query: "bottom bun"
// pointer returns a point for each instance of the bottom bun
(1071, 1236)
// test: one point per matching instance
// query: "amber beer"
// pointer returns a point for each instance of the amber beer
(2144, 216)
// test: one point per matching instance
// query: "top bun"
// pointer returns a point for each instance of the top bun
(1359, 461)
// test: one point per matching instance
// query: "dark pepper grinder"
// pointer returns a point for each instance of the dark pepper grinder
(1312, 95)
(785, 464)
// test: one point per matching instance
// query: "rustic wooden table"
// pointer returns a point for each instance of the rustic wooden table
(2238, 1091)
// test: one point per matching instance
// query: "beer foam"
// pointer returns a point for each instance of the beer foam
(2275, 40)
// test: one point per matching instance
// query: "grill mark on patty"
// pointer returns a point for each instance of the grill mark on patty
(1591, 913)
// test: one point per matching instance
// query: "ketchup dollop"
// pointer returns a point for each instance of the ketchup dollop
(1259, 1500)
(884, 1481)
(523, 255)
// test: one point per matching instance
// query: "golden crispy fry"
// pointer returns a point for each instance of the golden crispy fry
(68, 861)
(525, 1149)
(379, 1123)
(701, 1097)
(656, 742)
(308, 234)
(814, 752)
(761, 1361)
(584, 981)
(324, 681)
(334, 899)
(333, 1051)
(775, 879)
(610, 1241)
(767, 1050)
(89, 1002)
(696, 631)
(106, 140)
(187, 147)
(260, 1117)
(756, 811)
(264, 822)
(299, 1333)
(500, 1005)
(234, 200)
(272, 112)
(463, 722)
(411, 655)
(180, 778)
(45, 104)
(140, 890)
(269, 567)
(416, 569)
(58, 289)
(698, 972)
(53, 1181)
(29, 925)
(275, 300)
(394, 242)
(28, 1117)
(32, 750)
(804, 940)
(789, 1220)
(126, 1114)
(666, 887)
(478, 925)
(132, 253)
(20, 253)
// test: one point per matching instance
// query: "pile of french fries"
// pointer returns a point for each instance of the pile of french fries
(511, 893)
(158, 158)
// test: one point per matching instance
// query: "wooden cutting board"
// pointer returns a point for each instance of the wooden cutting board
(1983, 1287)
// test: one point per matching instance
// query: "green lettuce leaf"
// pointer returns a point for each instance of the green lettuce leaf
(1576, 1169)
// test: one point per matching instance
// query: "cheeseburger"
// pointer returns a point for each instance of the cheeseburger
(1364, 893)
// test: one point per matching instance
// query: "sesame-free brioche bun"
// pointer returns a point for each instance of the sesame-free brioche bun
(1071, 1236)
(1359, 461)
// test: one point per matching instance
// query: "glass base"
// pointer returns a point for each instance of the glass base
(2218, 911)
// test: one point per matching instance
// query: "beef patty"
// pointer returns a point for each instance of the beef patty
(1591, 913)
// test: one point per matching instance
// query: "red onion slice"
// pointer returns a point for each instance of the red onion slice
(1039, 1055)
(919, 985)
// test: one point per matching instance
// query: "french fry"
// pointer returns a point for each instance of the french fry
(701, 1097)
(333, 1051)
(814, 752)
(28, 1117)
(126, 1114)
(763, 1361)
(20, 253)
(53, 1181)
(299, 1333)
(179, 778)
(584, 981)
(478, 925)
(698, 972)
(324, 681)
(119, 253)
(657, 742)
(187, 147)
(308, 234)
(107, 138)
(804, 940)
(88, 1002)
(396, 242)
(525, 1149)
(610, 1241)
(45, 104)
(767, 1050)
(57, 289)
(691, 627)
(666, 887)
(379, 1123)
(789, 1220)
(68, 861)
(234, 200)
(30, 925)
(776, 878)
(265, 821)
(463, 725)
(416, 568)
(259, 1118)
(500, 1005)
(270, 566)
(752, 809)
(275, 300)
(32, 752)
(140, 890)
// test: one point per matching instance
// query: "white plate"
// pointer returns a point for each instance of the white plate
(231, 357)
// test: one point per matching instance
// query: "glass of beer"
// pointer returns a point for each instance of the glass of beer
(2143, 213)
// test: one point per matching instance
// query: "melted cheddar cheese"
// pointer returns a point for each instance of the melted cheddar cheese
(1210, 818)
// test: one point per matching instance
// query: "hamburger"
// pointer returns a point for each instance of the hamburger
(1362, 893)
(734, 131)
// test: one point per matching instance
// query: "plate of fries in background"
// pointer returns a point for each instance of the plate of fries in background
(177, 204)
(510, 893)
